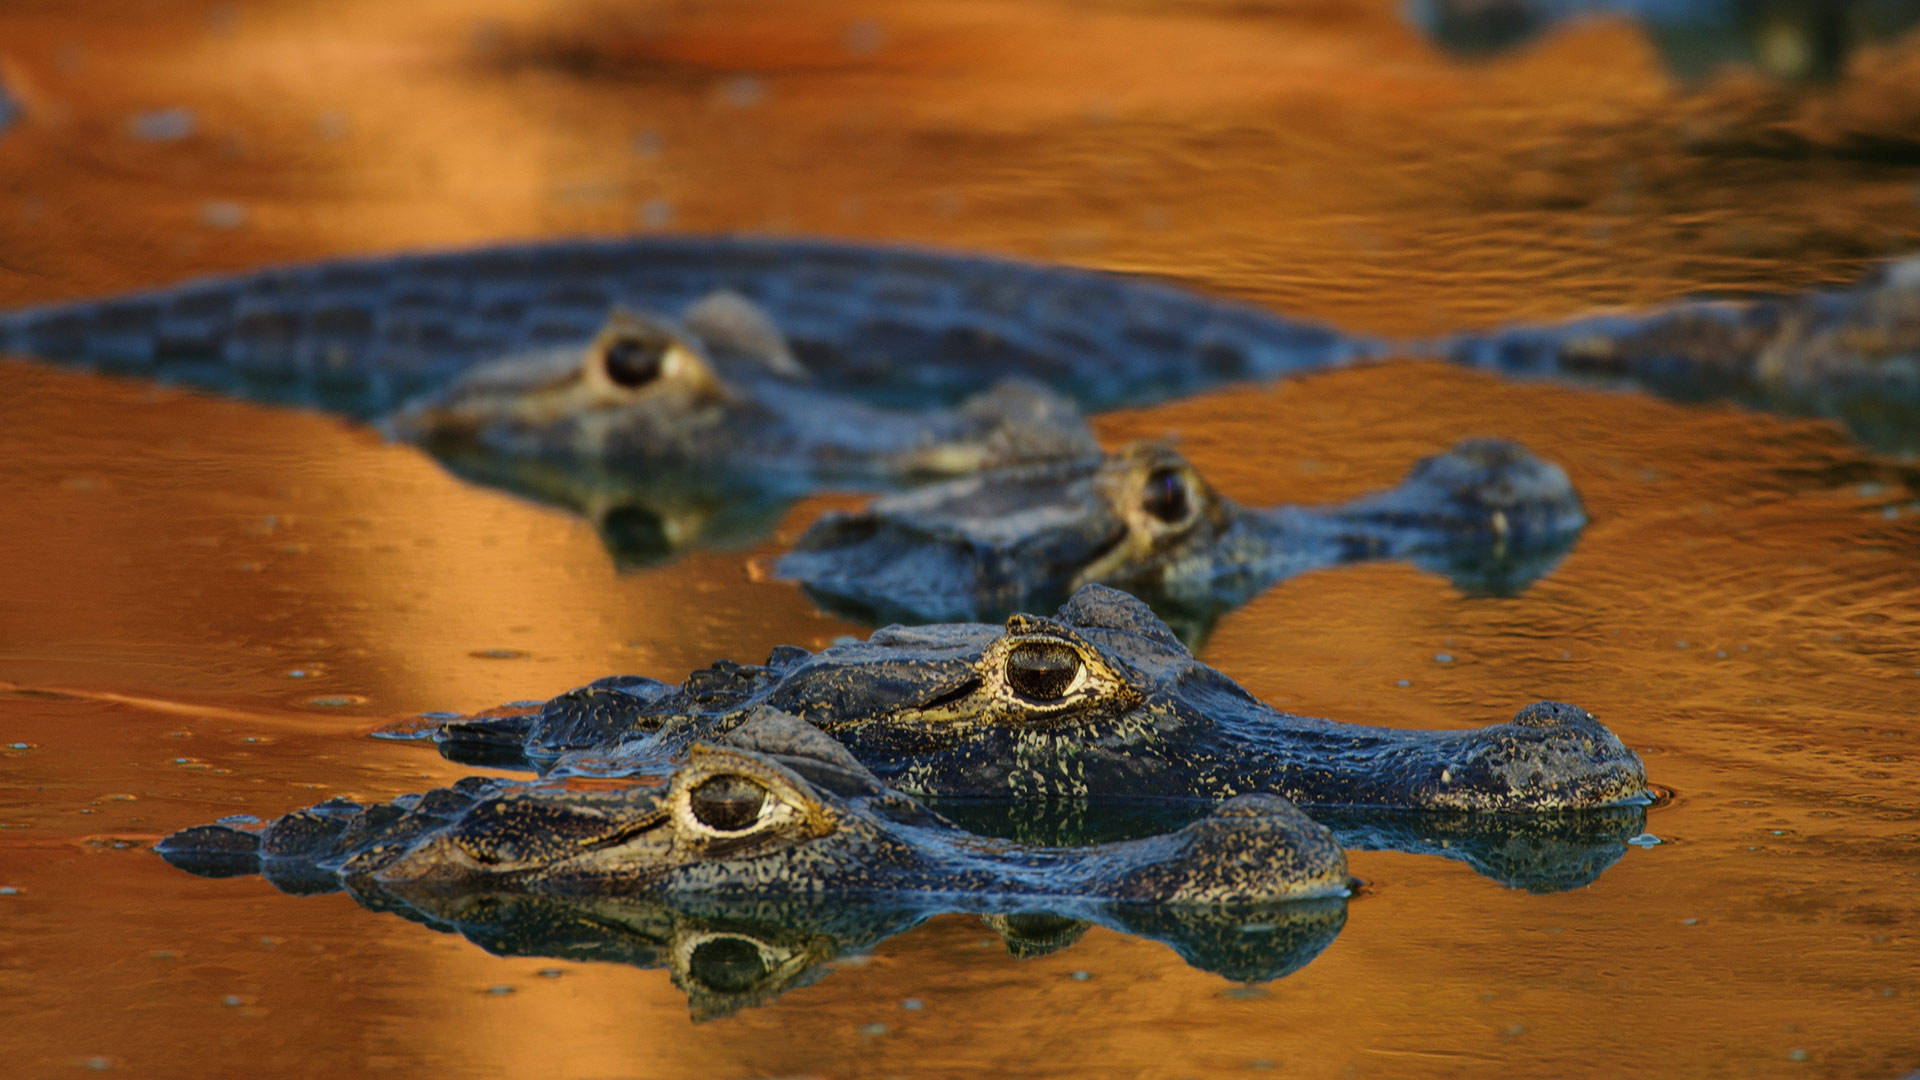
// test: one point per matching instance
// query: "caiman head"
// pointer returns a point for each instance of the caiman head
(774, 809)
(1144, 519)
(719, 392)
(1002, 540)
(1102, 699)
(642, 387)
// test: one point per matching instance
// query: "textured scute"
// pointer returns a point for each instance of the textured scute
(1108, 608)
(1252, 848)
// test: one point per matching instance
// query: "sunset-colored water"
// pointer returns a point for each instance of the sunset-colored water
(206, 605)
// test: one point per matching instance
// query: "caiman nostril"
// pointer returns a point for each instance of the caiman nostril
(1548, 715)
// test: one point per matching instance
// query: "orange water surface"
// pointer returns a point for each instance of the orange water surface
(206, 605)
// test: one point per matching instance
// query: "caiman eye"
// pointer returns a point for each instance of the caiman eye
(727, 965)
(634, 362)
(727, 803)
(1042, 671)
(1166, 496)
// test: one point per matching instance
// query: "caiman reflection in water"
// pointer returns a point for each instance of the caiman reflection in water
(1797, 40)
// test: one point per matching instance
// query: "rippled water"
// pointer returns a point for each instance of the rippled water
(206, 604)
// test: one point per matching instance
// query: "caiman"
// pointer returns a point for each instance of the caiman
(1488, 513)
(1101, 700)
(370, 336)
(1852, 354)
(774, 822)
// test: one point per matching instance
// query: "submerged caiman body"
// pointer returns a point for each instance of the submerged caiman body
(1851, 354)
(1487, 513)
(1101, 700)
(368, 336)
(775, 825)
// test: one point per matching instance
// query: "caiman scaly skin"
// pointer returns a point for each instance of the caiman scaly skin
(771, 811)
(1100, 700)
(1487, 512)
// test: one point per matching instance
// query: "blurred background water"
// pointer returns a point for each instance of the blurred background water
(206, 604)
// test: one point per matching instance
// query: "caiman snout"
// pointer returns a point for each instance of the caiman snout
(1551, 756)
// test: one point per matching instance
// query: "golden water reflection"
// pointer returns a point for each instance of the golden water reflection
(1742, 609)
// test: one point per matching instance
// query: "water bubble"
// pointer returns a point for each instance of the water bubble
(1443, 658)
(1646, 840)
(163, 125)
(222, 214)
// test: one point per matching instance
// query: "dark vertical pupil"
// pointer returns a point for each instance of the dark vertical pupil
(633, 362)
(727, 965)
(727, 803)
(1042, 671)
(1166, 497)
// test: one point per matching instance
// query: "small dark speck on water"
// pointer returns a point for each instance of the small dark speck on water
(550, 973)
(500, 988)
(497, 654)
(335, 701)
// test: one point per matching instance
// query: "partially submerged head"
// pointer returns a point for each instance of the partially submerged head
(1488, 513)
(1102, 699)
(643, 381)
(772, 808)
(1012, 538)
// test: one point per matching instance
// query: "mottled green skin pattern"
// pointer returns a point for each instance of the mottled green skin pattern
(1487, 512)
(827, 826)
(934, 711)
